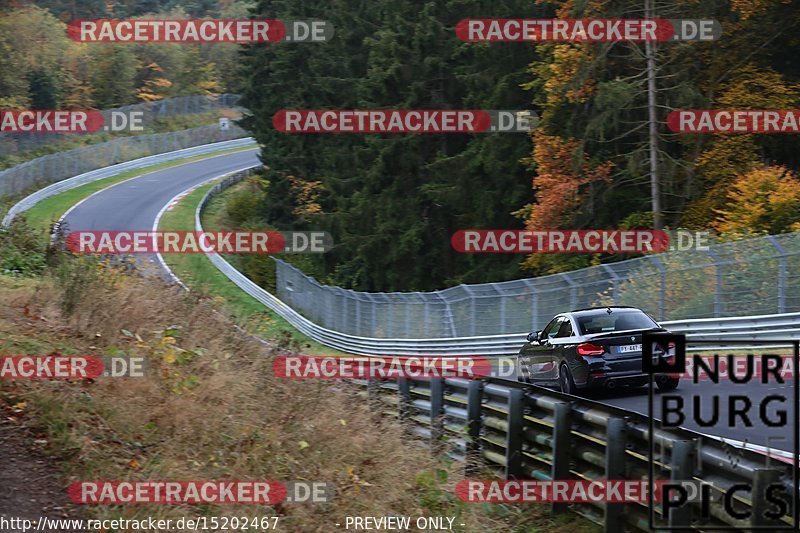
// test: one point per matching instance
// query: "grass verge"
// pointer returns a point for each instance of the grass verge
(199, 274)
(210, 407)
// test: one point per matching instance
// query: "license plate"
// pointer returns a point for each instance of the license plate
(630, 348)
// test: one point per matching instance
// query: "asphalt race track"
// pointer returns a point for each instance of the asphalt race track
(134, 205)
(635, 399)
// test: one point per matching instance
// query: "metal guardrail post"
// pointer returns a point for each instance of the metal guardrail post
(516, 403)
(682, 466)
(373, 390)
(404, 401)
(562, 433)
(763, 478)
(437, 413)
(616, 442)
(474, 423)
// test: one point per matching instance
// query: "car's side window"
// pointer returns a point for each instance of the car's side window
(566, 328)
(552, 328)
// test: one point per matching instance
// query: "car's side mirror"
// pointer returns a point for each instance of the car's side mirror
(534, 337)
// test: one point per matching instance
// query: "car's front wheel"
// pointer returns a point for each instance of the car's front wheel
(565, 381)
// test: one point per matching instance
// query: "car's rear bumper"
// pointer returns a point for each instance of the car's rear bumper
(622, 379)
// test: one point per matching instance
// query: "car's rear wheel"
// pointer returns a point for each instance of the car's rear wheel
(565, 381)
(669, 383)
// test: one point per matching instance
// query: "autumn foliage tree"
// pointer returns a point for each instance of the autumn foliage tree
(562, 171)
(764, 200)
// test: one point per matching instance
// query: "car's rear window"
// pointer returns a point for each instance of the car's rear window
(604, 322)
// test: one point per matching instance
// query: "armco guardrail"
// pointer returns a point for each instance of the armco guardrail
(526, 432)
(106, 172)
(755, 328)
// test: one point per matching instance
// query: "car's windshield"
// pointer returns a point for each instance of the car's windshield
(604, 322)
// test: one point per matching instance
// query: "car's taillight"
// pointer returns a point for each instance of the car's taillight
(587, 348)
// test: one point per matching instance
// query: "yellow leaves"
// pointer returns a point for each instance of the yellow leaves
(307, 194)
(752, 87)
(303, 444)
(750, 8)
(564, 77)
(355, 482)
(170, 357)
(761, 200)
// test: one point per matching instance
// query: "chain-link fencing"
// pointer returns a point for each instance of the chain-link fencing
(750, 277)
(56, 167)
(18, 142)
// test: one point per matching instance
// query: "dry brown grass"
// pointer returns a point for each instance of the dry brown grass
(211, 408)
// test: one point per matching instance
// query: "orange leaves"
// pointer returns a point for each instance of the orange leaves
(562, 168)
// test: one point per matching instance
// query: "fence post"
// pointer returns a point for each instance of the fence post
(764, 477)
(616, 441)
(534, 303)
(662, 275)
(682, 466)
(562, 433)
(573, 288)
(718, 283)
(615, 281)
(408, 319)
(474, 423)
(516, 401)
(437, 413)
(781, 273)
